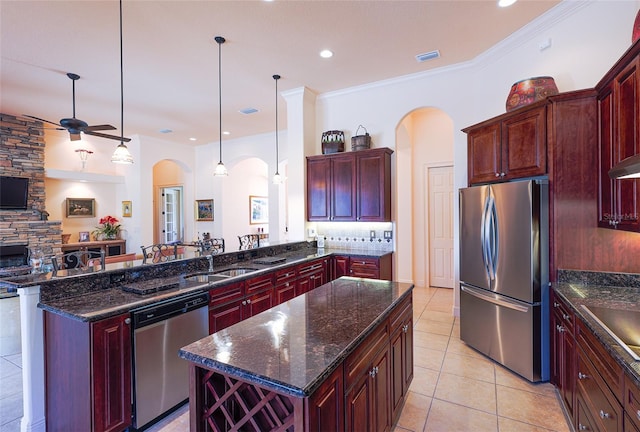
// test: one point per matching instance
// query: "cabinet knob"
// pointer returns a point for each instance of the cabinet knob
(604, 415)
(638, 414)
(405, 328)
(497, 174)
(560, 328)
(248, 301)
(582, 376)
(244, 302)
(556, 304)
(582, 427)
(566, 317)
(502, 174)
(372, 372)
(127, 321)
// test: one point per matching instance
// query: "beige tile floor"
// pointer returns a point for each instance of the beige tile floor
(455, 388)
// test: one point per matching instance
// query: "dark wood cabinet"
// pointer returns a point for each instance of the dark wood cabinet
(631, 404)
(225, 306)
(87, 373)
(285, 284)
(367, 379)
(112, 373)
(362, 266)
(401, 356)
(563, 351)
(619, 138)
(326, 405)
(311, 275)
(351, 186)
(110, 247)
(511, 146)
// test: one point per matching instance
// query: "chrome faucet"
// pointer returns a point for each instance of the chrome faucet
(210, 259)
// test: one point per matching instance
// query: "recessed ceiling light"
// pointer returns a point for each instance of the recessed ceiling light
(248, 110)
(506, 3)
(226, 133)
(193, 139)
(428, 56)
(326, 53)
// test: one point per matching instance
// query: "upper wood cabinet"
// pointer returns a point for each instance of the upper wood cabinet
(351, 186)
(619, 138)
(511, 146)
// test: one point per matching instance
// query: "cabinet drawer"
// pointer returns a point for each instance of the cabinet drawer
(259, 283)
(600, 402)
(608, 368)
(306, 269)
(285, 275)
(583, 420)
(403, 311)
(565, 315)
(358, 362)
(226, 294)
(632, 401)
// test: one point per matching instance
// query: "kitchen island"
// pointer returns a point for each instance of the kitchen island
(338, 357)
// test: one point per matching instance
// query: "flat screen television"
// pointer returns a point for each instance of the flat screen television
(13, 193)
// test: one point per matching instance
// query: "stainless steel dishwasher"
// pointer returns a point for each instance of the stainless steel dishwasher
(160, 376)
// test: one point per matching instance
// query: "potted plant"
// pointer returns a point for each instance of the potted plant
(109, 229)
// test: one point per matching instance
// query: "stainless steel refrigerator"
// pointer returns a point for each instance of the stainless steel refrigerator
(504, 274)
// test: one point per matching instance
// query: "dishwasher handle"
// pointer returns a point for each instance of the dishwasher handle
(164, 310)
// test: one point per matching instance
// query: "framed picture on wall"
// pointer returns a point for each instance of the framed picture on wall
(126, 209)
(80, 207)
(204, 210)
(258, 210)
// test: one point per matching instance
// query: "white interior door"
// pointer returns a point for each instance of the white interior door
(440, 190)
(171, 215)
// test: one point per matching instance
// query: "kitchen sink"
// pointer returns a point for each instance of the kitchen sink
(206, 277)
(622, 325)
(235, 271)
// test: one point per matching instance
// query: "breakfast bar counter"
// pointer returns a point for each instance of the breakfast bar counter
(295, 366)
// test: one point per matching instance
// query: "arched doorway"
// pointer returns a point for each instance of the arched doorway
(424, 142)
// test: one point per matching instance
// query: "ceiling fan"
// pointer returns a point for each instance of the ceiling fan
(76, 126)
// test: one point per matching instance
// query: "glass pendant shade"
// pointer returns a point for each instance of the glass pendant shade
(221, 170)
(122, 155)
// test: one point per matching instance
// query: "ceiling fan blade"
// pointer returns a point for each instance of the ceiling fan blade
(101, 135)
(42, 120)
(74, 136)
(98, 128)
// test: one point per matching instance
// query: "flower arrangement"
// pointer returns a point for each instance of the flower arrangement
(109, 228)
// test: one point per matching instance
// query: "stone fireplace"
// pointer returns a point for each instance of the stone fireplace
(22, 155)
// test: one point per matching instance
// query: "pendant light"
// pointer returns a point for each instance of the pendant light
(121, 155)
(221, 170)
(277, 178)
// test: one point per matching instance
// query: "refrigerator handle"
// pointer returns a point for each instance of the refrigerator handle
(493, 243)
(494, 299)
(484, 237)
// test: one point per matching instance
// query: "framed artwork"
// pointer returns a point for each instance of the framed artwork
(258, 210)
(126, 209)
(83, 236)
(204, 210)
(80, 207)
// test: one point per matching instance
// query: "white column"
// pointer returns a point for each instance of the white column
(32, 338)
(301, 130)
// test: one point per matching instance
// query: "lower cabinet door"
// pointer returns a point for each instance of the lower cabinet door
(221, 317)
(358, 406)
(397, 372)
(326, 409)
(257, 303)
(112, 373)
(381, 389)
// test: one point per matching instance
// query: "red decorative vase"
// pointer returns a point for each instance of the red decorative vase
(530, 90)
(636, 29)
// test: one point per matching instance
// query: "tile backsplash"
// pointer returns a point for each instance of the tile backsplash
(357, 235)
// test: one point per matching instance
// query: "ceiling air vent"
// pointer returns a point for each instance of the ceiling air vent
(248, 110)
(427, 56)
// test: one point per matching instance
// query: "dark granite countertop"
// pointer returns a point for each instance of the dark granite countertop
(93, 295)
(294, 346)
(590, 290)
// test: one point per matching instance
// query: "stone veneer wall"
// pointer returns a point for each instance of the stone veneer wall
(22, 155)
